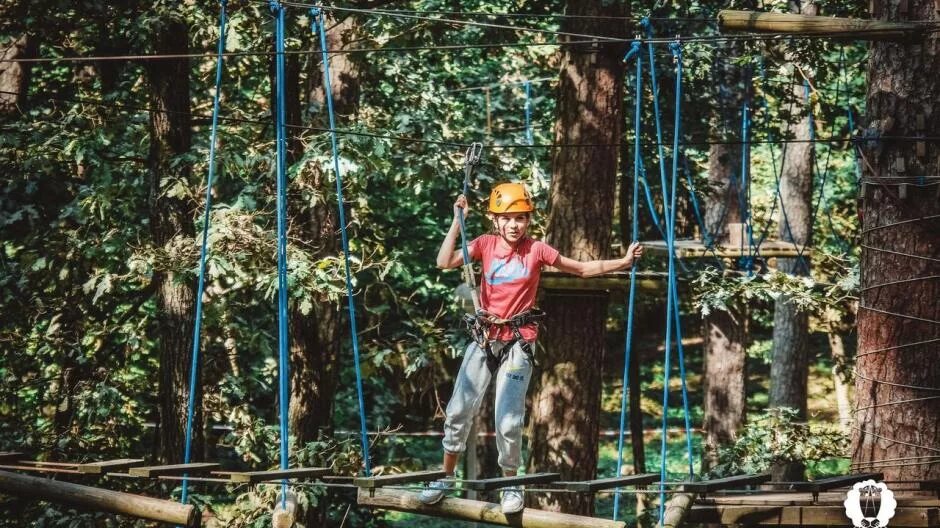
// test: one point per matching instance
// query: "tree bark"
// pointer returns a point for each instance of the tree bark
(903, 100)
(725, 333)
(840, 378)
(170, 217)
(14, 76)
(316, 337)
(564, 425)
(790, 365)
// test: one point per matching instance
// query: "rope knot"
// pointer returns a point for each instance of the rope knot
(634, 49)
(223, 3)
(315, 13)
(274, 5)
(676, 49)
(645, 23)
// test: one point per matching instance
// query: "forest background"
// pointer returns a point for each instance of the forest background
(104, 165)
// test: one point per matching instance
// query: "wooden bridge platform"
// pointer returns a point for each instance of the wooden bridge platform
(799, 509)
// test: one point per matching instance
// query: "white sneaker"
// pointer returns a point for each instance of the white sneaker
(512, 501)
(436, 491)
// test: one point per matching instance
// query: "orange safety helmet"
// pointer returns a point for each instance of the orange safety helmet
(510, 198)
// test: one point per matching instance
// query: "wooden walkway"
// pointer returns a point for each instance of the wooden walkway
(687, 248)
(799, 509)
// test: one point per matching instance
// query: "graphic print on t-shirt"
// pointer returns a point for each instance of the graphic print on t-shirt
(505, 270)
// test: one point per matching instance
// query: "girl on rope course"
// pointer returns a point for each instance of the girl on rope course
(504, 330)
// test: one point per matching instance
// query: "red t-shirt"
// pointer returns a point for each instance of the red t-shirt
(510, 279)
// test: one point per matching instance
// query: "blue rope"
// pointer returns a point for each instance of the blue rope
(197, 330)
(647, 25)
(745, 187)
(635, 233)
(319, 27)
(676, 49)
(282, 314)
(672, 305)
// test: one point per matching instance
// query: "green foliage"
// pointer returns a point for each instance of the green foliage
(777, 437)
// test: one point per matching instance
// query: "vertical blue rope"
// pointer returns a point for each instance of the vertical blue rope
(647, 25)
(634, 234)
(320, 27)
(281, 168)
(197, 330)
(676, 49)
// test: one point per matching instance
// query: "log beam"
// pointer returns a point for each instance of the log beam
(96, 499)
(677, 508)
(476, 511)
(793, 24)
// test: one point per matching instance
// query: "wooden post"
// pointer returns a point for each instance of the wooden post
(463, 509)
(285, 514)
(794, 24)
(96, 499)
(676, 510)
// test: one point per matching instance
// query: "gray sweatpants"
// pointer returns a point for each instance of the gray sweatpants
(512, 381)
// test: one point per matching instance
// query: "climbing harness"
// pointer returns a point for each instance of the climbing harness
(480, 325)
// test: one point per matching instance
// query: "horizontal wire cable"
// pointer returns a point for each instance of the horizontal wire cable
(876, 435)
(902, 222)
(895, 347)
(902, 464)
(882, 382)
(897, 314)
(897, 402)
(903, 281)
(899, 459)
(111, 105)
(901, 253)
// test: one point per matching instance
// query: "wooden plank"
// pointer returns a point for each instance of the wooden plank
(95, 499)
(833, 515)
(173, 469)
(252, 477)
(832, 27)
(40, 463)
(398, 478)
(40, 469)
(697, 249)
(649, 281)
(930, 485)
(508, 482)
(476, 511)
(613, 482)
(105, 466)
(826, 484)
(10, 456)
(709, 486)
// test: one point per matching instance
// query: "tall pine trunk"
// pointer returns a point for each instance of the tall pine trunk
(170, 217)
(895, 422)
(724, 332)
(789, 368)
(316, 336)
(564, 424)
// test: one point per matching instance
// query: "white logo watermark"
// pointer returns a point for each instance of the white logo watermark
(868, 491)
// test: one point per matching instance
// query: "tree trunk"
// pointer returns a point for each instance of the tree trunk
(725, 335)
(565, 409)
(840, 378)
(900, 242)
(14, 76)
(316, 336)
(790, 366)
(170, 217)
